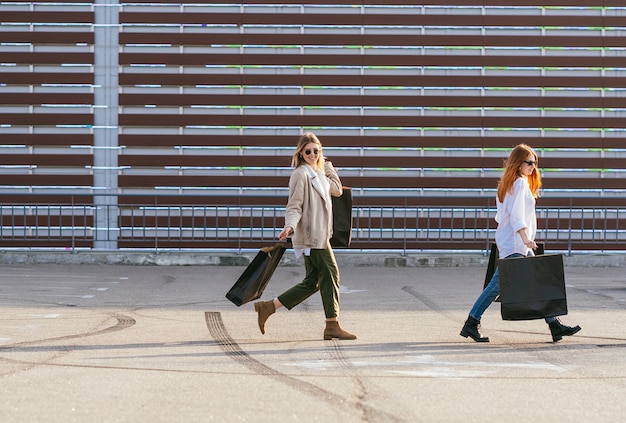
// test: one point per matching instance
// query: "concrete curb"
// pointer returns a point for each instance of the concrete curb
(232, 259)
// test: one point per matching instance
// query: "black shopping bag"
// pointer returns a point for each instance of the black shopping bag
(342, 219)
(532, 287)
(254, 279)
(493, 262)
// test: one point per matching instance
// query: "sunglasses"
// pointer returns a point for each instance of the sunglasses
(314, 151)
(530, 163)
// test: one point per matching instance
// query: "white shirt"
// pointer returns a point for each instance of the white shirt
(516, 212)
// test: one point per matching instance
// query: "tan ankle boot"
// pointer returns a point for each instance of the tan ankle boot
(265, 310)
(333, 330)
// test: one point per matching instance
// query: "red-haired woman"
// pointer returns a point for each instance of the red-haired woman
(515, 236)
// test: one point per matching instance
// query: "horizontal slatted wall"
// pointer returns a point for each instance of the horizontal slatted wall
(417, 104)
(46, 96)
(412, 101)
(46, 120)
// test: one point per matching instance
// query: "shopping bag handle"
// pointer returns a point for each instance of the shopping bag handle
(282, 244)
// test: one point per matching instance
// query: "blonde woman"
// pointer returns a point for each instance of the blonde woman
(515, 235)
(309, 223)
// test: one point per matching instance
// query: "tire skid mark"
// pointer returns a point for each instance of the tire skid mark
(123, 322)
(219, 333)
(428, 302)
(334, 348)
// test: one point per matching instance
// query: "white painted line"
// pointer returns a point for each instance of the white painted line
(443, 373)
(440, 368)
(429, 360)
(345, 290)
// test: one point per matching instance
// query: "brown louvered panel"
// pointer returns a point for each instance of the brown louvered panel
(175, 221)
(404, 19)
(213, 161)
(460, 223)
(360, 200)
(46, 119)
(47, 180)
(489, 201)
(565, 202)
(39, 199)
(199, 222)
(582, 223)
(367, 60)
(50, 17)
(46, 98)
(424, 182)
(414, 100)
(367, 121)
(552, 182)
(41, 58)
(442, 222)
(49, 37)
(206, 200)
(200, 181)
(37, 78)
(136, 140)
(44, 219)
(279, 181)
(47, 159)
(406, 161)
(369, 40)
(556, 182)
(372, 80)
(581, 163)
(46, 139)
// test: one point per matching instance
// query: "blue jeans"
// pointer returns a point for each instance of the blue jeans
(491, 291)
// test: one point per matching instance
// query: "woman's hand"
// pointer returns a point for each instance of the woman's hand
(284, 234)
(531, 244)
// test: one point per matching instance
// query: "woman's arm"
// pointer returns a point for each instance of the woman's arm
(293, 212)
(527, 242)
(518, 211)
(333, 179)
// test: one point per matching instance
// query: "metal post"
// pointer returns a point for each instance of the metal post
(106, 74)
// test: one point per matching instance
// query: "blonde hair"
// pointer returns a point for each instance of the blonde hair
(512, 167)
(298, 160)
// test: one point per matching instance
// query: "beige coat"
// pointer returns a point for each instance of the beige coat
(307, 212)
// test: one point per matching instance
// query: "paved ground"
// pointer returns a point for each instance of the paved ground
(109, 343)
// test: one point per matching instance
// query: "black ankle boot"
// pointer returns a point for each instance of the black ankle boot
(559, 330)
(471, 329)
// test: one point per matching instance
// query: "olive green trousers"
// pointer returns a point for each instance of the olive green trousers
(322, 275)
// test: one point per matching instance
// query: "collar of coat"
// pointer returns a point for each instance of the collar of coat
(317, 183)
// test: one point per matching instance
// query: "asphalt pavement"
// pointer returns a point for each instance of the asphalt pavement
(122, 343)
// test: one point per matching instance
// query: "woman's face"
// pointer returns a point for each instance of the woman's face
(528, 165)
(311, 152)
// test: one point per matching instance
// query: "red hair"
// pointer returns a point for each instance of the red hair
(512, 167)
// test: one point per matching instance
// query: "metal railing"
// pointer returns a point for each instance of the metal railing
(159, 225)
